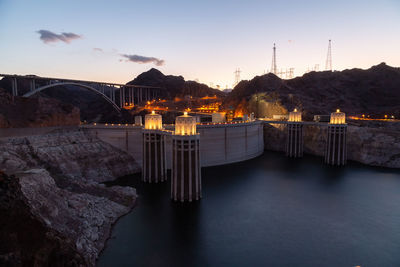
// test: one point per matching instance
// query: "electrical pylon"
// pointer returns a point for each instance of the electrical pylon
(328, 64)
(237, 76)
(274, 70)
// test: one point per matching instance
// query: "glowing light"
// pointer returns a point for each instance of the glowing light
(153, 121)
(185, 125)
(368, 118)
(338, 117)
(294, 116)
(185, 113)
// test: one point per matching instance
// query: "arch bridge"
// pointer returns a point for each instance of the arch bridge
(118, 95)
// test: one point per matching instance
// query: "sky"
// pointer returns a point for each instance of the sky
(114, 41)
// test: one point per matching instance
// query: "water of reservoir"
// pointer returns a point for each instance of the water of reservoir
(269, 211)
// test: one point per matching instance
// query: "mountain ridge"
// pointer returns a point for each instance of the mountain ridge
(374, 91)
(175, 86)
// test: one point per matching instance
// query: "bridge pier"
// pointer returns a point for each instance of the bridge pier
(32, 85)
(14, 86)
(135, 98)
(120, 98)
(112, 93)
(123, 97)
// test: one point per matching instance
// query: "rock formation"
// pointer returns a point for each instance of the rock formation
(373, 146)
(56, 186)
(174, 85)
(35, 112)
(374, 91)
(26, 240)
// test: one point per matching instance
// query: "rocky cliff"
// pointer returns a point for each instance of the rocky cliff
(25, 238)
(373, 91)
(56, 185)
(35, 112)
(373, 146)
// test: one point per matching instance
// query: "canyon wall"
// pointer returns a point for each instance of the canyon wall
(375, 146)
(54, 182)
(17, 112)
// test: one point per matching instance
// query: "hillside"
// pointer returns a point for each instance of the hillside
(375, 91)
(174, 85)
(35, 112)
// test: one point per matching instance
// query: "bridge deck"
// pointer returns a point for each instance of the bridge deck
(77, 81)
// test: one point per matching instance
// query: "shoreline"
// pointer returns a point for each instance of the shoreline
(60, 178)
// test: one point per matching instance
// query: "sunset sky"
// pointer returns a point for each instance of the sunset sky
(115, 41)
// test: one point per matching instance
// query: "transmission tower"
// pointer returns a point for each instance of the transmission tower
(273, 65)
(328, 64)
(237, 76)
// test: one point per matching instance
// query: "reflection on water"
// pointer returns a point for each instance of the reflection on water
(270, 211)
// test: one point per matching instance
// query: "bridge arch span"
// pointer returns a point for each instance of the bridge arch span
(37, 90)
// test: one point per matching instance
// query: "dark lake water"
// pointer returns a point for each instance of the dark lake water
(269, 211)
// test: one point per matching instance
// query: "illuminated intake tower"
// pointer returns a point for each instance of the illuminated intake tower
(335, 152)
(294, 144)
(154, 155)
(186, 170)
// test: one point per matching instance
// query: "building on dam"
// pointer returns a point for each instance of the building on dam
(295, 142)
(186, 166)
(336, 148)
(154, 167)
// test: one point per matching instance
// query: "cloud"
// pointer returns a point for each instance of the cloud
(96, 49)
(144, 60)
(51, 37)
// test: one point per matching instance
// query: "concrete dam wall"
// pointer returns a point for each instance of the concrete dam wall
(219, 143)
